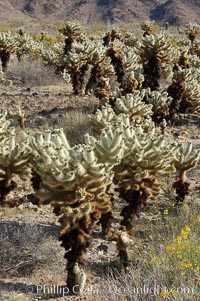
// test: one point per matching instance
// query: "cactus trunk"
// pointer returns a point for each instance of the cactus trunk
(5, 57)
(92, 82)
(5, 188)
(105, 222)
(135, 200)
(76, 241)
(77, 77)
(68, 45)
(181, 186)
(116, 60)
(152, 74)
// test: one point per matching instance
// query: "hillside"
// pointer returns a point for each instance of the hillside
(176, 12)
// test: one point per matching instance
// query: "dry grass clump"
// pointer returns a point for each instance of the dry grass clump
(32, 72)
(27, 247)
(76, 125)
(167, 265)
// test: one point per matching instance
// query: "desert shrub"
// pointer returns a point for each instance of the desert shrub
(167, 267)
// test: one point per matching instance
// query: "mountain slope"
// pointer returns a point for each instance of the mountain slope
(8, 12)
(176, 12)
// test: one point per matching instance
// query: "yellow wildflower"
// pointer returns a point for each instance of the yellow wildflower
(187, 228)
(186, 264)
(170, 248)
(166, 212)
(165, 293)
(184, 234)
(177, 239)
(196, 269)
(197, 249)
(198, 219)
(185, 231)
(175, 294)
(181, 246)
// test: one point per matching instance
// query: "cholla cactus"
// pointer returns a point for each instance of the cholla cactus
(191, 46)
(77, 61)
(73, 32)
(81, 55)
(130, 105)
(195, 49)
(185, 91)
(131, 82)
(80, 278)
(115, 52)
(21, 31)
(75, 182)
(126, 65)
(71, 56)
(184, 159)
(54, 59)
(130, 40)
(194, 61)
(192, 30)
(134, 107)
(8, 45)
(160, 102)
(102, 118)
(14, 160)
(123, 243)
(133, 78)
(100, 74)
(183, 61)
(76, 226)
(111, 36)
(146, 159)
(147, 27)
(26, 45)
(156, 55)
(130, 60)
